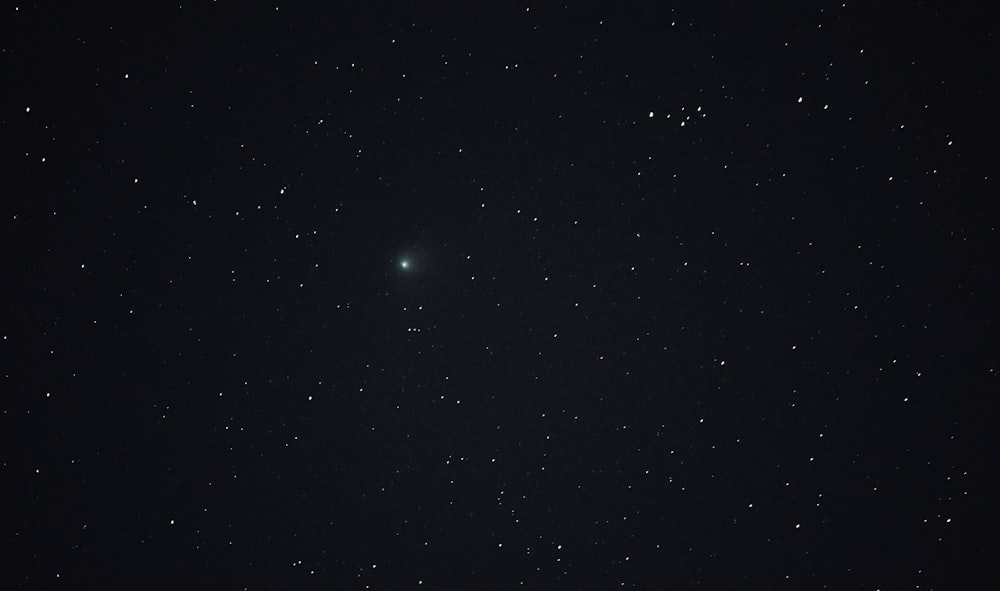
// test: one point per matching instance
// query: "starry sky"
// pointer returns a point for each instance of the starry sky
(398, 295)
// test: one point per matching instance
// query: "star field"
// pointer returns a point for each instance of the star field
(419, 296)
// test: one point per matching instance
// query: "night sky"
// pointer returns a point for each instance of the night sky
(427, 296)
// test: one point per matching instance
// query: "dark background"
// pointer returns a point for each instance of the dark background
(746, 342)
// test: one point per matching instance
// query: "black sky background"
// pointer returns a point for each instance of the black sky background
(700, 296)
